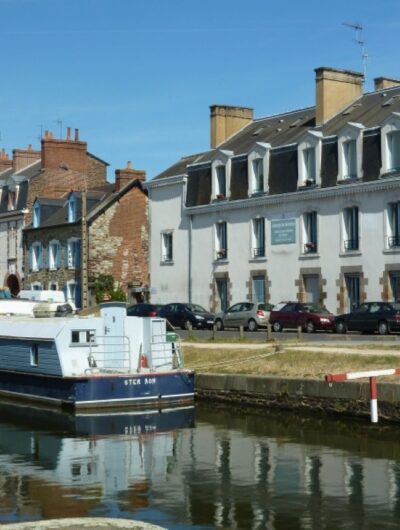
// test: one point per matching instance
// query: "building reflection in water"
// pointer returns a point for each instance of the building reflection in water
(224, 470)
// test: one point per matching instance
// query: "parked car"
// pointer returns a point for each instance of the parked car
(310, 317)
(185, 315)
(143, 310)
(250, 315)
(369, 317)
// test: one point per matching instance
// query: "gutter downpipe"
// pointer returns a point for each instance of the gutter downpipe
(190, 259)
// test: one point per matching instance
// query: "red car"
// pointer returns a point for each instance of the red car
(310, 317)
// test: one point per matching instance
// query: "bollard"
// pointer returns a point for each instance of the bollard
(190, 331)
(269, 332)
(241, 332)
(299, 332)
(214, 329)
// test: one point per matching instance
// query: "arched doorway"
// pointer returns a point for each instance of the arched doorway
(13, 284)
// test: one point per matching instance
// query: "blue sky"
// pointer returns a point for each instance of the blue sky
(137, 77)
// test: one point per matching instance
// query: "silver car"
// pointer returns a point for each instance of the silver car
(250, 315)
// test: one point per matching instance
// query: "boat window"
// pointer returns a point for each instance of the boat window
(86, 336)
(34, 355)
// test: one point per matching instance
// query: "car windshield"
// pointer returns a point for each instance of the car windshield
(265, 307)
(311, 308)
(194, 308)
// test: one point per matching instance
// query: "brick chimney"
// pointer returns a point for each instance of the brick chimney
(24, 157)
(66, 154)
(226, 121)
(123, 176)
(385, 82)
(5, 162)
(335, 90)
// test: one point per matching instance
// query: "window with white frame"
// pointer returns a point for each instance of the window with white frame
(72, 210)
(351, 228)
(220, 182)
(53, 286)
(390, 142)
(258, 175)
(36, 286)
(36, 215)
(220, 174)
(309, 164)
(258, 237)
(310, 233)
(257, 167)
(54, 255)
(350, 143)
(73, 253)
(221, 242)
(72, 293)
(258, 288)
(166, 247)
(350, 159)
(394, 224)
(309, 159)
(35, 257)
(393, 147)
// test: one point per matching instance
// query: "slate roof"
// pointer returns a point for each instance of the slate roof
(370, 110)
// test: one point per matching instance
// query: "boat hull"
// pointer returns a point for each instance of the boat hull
(101, 390)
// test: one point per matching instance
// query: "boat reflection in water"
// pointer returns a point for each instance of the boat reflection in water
(55, 464)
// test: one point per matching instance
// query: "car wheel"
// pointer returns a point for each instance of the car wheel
(276, 326)
(340, 327)
(383, 328)
(310, 326)
(252, 325)
(219, 325)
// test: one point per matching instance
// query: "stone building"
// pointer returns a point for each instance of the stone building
(303, 205)
(41, 220)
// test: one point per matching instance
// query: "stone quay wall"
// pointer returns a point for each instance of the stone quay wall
(350, 398)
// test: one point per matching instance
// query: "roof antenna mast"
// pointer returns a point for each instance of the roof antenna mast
(358, 28)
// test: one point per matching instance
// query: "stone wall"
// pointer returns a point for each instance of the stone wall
(350, 398)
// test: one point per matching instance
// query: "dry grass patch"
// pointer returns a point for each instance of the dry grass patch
(286, 363)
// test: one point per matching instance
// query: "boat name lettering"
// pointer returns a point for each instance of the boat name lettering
(146, 381)
(139, 429)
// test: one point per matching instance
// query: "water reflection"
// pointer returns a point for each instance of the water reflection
(227, 469)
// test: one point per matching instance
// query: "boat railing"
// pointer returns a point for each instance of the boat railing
(111, 353)
(166, 352)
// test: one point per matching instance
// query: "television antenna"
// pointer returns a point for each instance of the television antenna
(358, 28)
(60, 124)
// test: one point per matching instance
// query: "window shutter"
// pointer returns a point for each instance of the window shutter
(65, 290)
(66, 254)
(48, 256)
(31, 258)
(77, 253)
(58, 256)
(78, 295)
(40, 256)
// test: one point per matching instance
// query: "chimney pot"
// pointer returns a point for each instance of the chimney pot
(76, 135)
(129, 165)
(68, 133)
(30, 147)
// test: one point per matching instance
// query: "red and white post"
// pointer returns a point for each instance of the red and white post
(373, 387)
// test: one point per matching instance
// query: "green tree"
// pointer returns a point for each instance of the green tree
(105, 289)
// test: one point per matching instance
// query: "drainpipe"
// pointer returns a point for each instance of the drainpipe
(190, 259)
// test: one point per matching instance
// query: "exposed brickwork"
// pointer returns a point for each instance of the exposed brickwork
(249, 285)
(24, 157)
(67, 154)
(5, 162)
(96, 171)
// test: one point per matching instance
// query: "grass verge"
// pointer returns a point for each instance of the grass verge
(284, 363)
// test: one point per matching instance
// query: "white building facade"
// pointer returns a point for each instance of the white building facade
(290, 207)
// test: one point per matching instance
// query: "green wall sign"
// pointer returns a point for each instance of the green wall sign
(283, 231)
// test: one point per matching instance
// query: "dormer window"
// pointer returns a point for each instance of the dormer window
(220, 182)
(350, 151)
(220, 170)
(72, 209)
(11, 200)
(258, 163)
(309, 164)
(36, 215)
(390, 141)
(309, 159)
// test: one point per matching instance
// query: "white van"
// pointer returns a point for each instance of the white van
(55, 299)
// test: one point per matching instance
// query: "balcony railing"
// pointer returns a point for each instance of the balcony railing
(351, 244)
(258, 252)
(310, 247)
(394, 241)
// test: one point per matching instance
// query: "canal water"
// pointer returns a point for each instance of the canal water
(204, 467)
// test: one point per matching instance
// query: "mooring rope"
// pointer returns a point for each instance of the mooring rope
(231, 362)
